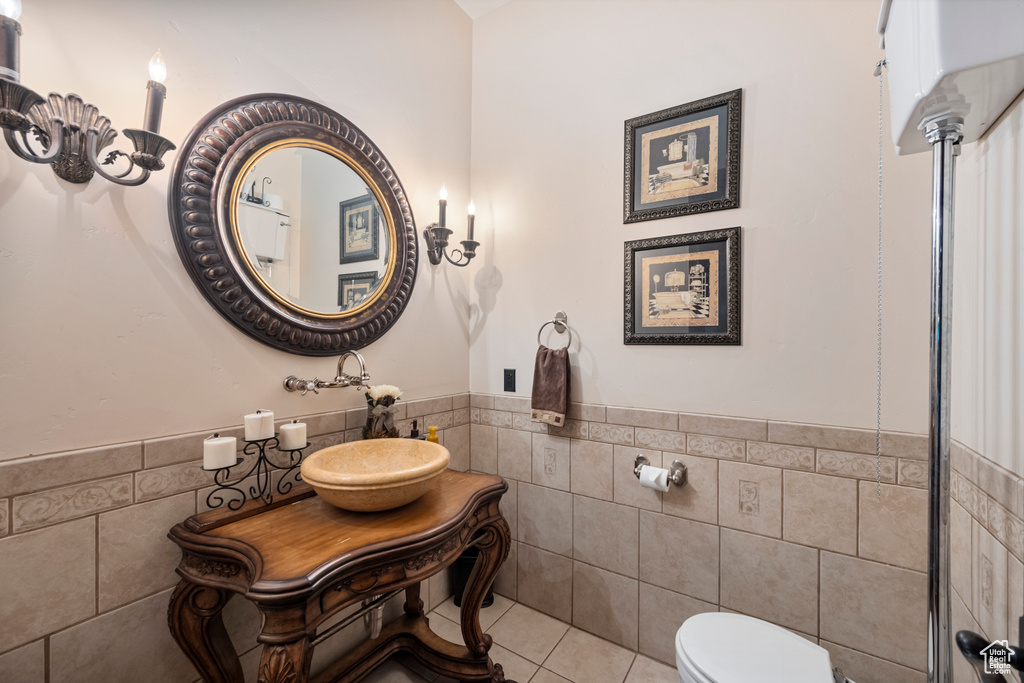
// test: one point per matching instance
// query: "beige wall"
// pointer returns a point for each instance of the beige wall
(106, 339)
(552, 84)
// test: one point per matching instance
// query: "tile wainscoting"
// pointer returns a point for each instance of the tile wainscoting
(86, 568)
(987, 541)
(781, 521)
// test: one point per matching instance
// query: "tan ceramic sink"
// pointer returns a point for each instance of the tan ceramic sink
(375, 474)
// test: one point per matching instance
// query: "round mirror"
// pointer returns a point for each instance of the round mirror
(293, 225)
(312, 230)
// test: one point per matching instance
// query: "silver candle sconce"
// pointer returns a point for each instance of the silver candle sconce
(72, 134)
(436, 236)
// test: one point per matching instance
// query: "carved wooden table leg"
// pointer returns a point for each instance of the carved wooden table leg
(194, 617)
(287, 652)
(287, 663)
(494, 543)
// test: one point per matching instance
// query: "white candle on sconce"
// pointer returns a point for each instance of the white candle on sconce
(293, 436)
(443, 205)
(219, 451)
(156, 91)
(10, 35)
(472, 219)
(259, 425)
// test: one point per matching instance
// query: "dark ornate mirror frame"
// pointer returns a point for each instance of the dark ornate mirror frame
(200, 198)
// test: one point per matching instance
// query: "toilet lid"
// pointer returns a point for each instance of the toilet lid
(728, 648)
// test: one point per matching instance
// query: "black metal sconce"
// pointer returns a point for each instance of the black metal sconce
(436, 236)
(72, 133)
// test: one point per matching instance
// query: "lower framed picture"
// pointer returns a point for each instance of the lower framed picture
(354, 287)
(683, 289)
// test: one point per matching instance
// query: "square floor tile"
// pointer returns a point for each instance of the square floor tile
(488, 615)
(528, 633)
(583, 658)
(646, 670)
(446, 628)
(516, 668)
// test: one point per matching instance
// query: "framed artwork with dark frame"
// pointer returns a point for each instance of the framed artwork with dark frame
(354, 287)
(683, 160)
(683, 289)
(360, 226)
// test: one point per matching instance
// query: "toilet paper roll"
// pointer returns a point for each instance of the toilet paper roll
(654, 478)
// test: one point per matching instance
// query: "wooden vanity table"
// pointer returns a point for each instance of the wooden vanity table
(301, 560)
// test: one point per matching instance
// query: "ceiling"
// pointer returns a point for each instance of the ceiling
(477, 8)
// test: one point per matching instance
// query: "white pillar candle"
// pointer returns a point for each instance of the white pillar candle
(293, 436)
(259, 425)
(219, 451)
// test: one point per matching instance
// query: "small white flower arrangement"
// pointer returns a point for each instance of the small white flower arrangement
(379, 391)
(380, 419)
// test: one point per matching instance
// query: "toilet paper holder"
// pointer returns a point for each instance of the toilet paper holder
(676, 472)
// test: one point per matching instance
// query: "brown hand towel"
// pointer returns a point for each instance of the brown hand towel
(550, 386)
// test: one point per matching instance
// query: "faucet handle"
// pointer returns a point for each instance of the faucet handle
(311, 386)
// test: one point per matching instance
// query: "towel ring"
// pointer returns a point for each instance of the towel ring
(561, 323)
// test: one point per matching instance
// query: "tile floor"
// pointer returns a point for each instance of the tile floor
(535, 648)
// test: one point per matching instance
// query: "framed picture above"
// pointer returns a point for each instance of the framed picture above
(683, 289)
(683, 160)
(360, 227)
(353, 288)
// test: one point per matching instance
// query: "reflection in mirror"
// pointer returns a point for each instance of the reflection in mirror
(312, 230)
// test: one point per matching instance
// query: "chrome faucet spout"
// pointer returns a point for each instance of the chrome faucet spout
(341, 380)
(359, 380)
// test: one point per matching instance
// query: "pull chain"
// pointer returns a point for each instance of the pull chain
(878, 389)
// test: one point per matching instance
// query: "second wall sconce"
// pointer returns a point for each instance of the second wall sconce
(71, 132)
(436, 236)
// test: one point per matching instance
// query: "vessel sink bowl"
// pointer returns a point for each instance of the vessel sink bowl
(375, 474)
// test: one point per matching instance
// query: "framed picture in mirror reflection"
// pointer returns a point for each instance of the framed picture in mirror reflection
(360, 228)
(353, 288)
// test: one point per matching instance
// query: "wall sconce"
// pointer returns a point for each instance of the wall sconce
(71, 132)
(436, 236)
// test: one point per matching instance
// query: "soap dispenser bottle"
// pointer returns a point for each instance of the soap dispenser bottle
(432, 437)
(415, 434)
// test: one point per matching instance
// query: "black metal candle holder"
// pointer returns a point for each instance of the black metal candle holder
(263, 467)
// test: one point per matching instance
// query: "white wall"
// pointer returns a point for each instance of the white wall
(553, 82)
(988, 298)
(105, 338)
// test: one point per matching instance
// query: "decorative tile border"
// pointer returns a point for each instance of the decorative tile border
(71, 502)
(781, 455)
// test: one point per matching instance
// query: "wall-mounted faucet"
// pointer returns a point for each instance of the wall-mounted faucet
(293, 383)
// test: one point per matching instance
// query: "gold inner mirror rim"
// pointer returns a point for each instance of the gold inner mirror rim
(236, 192)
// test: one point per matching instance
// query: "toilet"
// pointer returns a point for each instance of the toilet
(716, 647)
